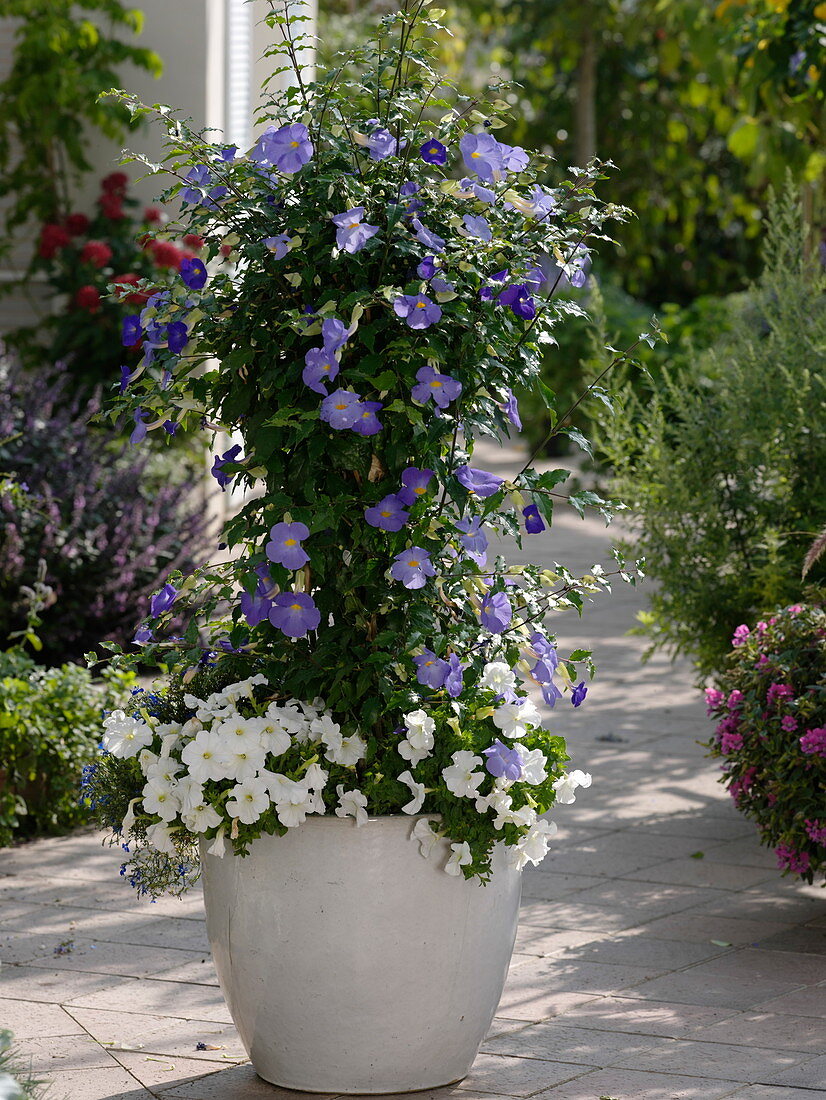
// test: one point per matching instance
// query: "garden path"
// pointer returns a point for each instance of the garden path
(659, 956)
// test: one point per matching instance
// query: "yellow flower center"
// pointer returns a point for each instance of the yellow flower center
(296, 607)
(418, 488)
(293, 144)
(420, 305)
(290, 542)
(353, 225)
(434, 385)
(341, 406)
(413, 564)
(384, 515)
(475, 155)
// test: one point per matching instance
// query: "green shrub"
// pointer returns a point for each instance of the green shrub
(722, 462)
(49, 729)
(16, 1080)
(770, 703)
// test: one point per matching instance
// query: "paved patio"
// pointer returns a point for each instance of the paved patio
(660, 956)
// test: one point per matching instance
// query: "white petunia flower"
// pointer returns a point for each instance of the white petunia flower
(498, 677)
(218, 846)
(249, 800)
(202, 817)
(291, 718)
(189, 728)
(533, 765)
(352, 804)
(533, 846)
(427, 839)
(460, 778)
(243, 689)
(124, 736)
(190, 793)
(514, 718)
(159, 798)
(419, 742)
(316, 777)
(206, 757)
(348, 752)
(416, 789)
(159, 836)
(146, 758)
(293, 802)
(460, 857)
(324, 729)
(567, 784)
(129, 819)
(164, 767)
(275, 737)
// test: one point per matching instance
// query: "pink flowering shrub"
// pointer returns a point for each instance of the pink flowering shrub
(770, 706)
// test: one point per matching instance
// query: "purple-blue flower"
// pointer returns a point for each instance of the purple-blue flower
(533, 520)
(430, 669)
(481, 482)
(255, 607)
(433, 152)
(406, 191)
(321, 366)
(474, 541)
(453, 680)
(542, 203)
(427, 268)
(412, 567)
(130, 330)
(284, 547)
(352, 234)
(217, 470)
(487, 292)
(200, 178)
(140, 429)
(367, 422)
(483, 155)
(579, 693)
(496, 612)
(381, 144)
(341, 409)
(550, 693)
(125, 378)
(143, 635)
(483, 194)
(279, 245)
(177, 336)
(294, 614)
(334, 333)
(414, 484)
(503, 762)
(478, 227)
(442, 286)
(515, 157)
(193, 272)
(427, 238)
(287, 148)
(518, 297)
(389, 514)
(163, 600)
(510, 407)
(417, 310)
(441, 387)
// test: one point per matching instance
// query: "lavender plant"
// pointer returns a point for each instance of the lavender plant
(366, 652)
(100, 525)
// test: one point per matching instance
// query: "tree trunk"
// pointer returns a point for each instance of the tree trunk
(585, 113)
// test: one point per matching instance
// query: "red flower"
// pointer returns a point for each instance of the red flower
(152, 215)
(140, 297)
(96, 253)
(88, 297)
(77, 224)
(165, 254)
(111, 206)
(193, 240)
(52, 238)
(115, 184)
(226, 250)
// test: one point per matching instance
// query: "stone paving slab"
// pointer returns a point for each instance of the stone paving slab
(659, 957)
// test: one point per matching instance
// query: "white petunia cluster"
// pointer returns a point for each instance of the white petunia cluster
(224, 743)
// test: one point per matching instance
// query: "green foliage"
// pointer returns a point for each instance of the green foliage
(769, 696)
(65, 54)
(17, 1082)
(303, 286)
(49, 729)
(722, 464)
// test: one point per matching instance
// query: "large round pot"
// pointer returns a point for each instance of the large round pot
(351, 964)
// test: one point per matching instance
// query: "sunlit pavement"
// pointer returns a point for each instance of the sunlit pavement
(660, 955)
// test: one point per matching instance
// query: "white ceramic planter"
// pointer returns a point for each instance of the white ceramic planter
(350, 964)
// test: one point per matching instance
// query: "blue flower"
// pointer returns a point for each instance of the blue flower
(131, 330)
(352, 234)
(579, 693)
(433, 152)
(193, 272)
(217, 470)
(533, 520)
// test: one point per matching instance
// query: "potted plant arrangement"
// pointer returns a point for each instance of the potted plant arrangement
(344, 742)
(770, 708)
